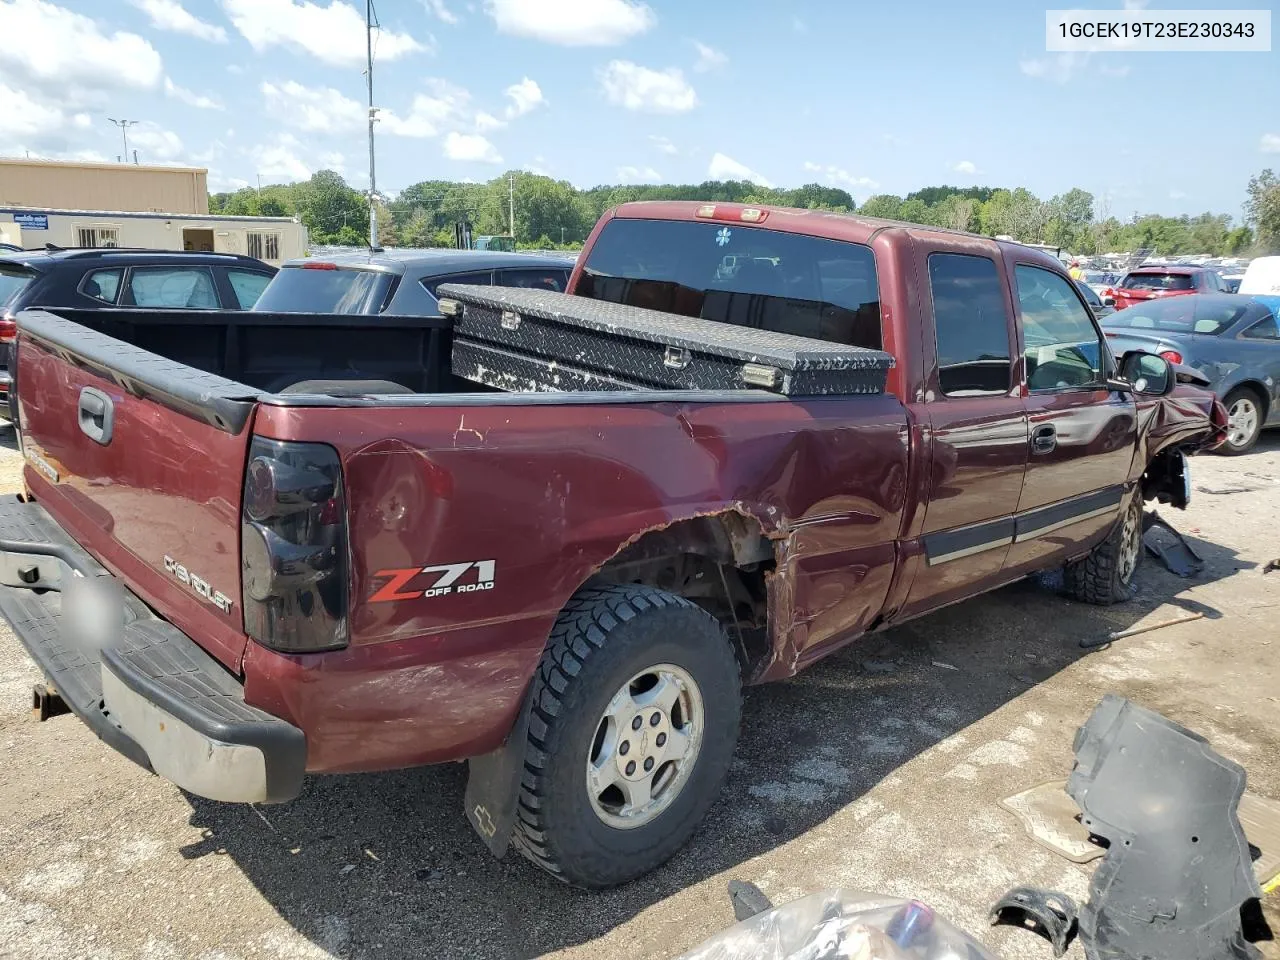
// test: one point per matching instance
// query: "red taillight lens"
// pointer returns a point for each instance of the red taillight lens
(313, 265)
(1173, 356)
(8, 330)
(293, 547)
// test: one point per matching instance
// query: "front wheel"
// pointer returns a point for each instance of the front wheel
(636, 705)
(1105, 575)
(1244, 421)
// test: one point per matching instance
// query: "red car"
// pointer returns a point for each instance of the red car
(326, 544)
(1149, 283)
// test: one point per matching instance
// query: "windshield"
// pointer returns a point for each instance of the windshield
(1180, 315)
(1159, 281)
(747, 276)
(12, 279)
(325, 290)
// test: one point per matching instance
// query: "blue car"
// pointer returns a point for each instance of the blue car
(1232, 339)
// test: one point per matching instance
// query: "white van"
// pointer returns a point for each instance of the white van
(1262, 277)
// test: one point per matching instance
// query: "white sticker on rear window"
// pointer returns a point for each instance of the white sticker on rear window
(723, 237)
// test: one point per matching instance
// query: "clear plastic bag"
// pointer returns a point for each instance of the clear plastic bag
(843, 925)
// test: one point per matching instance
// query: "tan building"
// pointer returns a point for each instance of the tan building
(129, 205)
(56, 184)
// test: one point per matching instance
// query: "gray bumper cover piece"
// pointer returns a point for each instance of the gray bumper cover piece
(1178, 868)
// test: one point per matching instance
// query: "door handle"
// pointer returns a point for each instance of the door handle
(96, 414)
(1044, 438)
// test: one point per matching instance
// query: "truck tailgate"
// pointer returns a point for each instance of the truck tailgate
(142, 460)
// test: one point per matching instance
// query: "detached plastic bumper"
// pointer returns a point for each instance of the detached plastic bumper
(144, 686)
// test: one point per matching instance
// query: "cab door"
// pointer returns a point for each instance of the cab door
(1082, 435)
(977, 425)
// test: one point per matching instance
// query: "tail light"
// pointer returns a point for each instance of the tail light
(293, 547)
(1173, 356)
(8, 330)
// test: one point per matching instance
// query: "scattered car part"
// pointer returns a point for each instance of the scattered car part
(748, 900)
(1134, 631)
(1047, 912)
(1177, 870)
(842, 925)
(1180, 558)
(46, 702)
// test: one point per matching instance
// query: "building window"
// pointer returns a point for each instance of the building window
(97, 236)
(264, 246)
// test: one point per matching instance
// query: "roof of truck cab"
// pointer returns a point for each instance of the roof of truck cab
(435, 260)
(850, 227)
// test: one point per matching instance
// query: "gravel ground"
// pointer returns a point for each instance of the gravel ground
(878, 769)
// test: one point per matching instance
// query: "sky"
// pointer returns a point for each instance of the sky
(873, 97)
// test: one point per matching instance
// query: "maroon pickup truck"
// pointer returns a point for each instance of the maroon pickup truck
(256, 546)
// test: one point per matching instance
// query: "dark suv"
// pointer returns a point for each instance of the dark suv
(122, 278)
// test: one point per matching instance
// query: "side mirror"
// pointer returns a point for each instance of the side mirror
(1108, 301)
(1151, 376)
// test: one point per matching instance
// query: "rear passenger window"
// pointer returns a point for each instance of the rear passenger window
(971, 324)
(177, 288)
(484, 279)
(248, 285)
(102, 285)
(543, 279)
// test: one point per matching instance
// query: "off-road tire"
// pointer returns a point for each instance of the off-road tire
(1236, 395)
(1098, 577)
(605, 635)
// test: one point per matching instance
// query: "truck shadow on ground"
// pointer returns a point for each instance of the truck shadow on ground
(387, 865)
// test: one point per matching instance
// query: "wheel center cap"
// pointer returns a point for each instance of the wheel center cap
(641, 748)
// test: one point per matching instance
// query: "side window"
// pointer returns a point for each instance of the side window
(484, 279)
(1063, 348)
(177, 288)
(1265, 329)
(102, 285)
(971, 325)
(1090, 297)
(248, 285)
(541, 279)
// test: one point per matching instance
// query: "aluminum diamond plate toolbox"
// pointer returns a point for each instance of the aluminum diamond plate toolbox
(518, 339)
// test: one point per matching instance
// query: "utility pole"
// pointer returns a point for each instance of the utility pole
(511, 200)
(373, 184)
(124, 126)
(259, 184)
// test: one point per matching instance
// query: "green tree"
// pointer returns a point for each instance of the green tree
(1262, 211)
(884, 205)
(332, 211)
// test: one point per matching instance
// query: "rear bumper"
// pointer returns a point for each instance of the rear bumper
(138, 682)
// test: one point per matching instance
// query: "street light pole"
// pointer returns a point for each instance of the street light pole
(373, 183)
(124, 126)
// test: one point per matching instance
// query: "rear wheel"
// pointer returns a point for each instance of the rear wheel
(1244, 421)
(1105, 575)
(636, 706)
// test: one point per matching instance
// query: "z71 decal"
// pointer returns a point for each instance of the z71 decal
(453, 578)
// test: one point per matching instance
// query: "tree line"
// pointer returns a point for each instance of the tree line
(551, 214)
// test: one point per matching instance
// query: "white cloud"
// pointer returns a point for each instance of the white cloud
(154, 144)
(470, 147)
(65, 54)
(638, 175)
(1177, 195)
(572, 23)
(445, 105)
(709, 58)
(487, 121)
(332, 32)
(525, 96)
(1058, 68)
(635, 87)
(837, 176)
(440, 11)
(799, 26)
(966, 167)
(313, 109)
(26, 122)
(173, 16)
(663, 145)
(538, 167)
(1270, 143)
(279, 158)
(235, 68)
(1135, 4)
(190, 97)
(727, 168)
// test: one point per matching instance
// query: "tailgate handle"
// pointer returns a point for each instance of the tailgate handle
(97, 415)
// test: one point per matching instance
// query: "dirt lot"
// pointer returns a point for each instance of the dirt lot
(879, 769)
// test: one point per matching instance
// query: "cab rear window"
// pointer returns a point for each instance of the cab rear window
(12, 279)
(748, 276)
(1159, 281)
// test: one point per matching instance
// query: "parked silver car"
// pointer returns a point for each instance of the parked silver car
(1232, 339)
